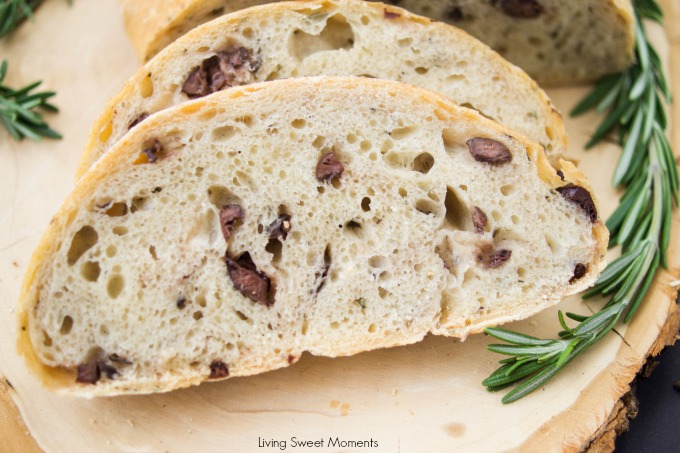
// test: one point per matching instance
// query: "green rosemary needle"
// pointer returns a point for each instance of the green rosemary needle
(20, 110)
(634, 101)
(14, 12)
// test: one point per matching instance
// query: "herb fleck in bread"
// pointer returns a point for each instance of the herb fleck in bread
(226, 236)
(339, 38)
(555, 41)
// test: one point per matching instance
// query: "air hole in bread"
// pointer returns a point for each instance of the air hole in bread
(445, 305)
(403, 132)
(274, 247)
(140, 204)
(452, 140)
(246, 120)
(197, 315)
(503, 234)
(90, 271)
(220, 197)
(224, 133)
(366, 204)
(111, 251)
(66, 325)
(299, 123)
(115, 286)
(382, 292)
(116, 210)
(119, 230)
(403, 193)
(397, 160)
(274, 75)
(353, 227)
(243, 178)
(372, 328)
(423, 163)
(378, 262)
(83, 240)
(405, 42)
(336, 35)
(247, 32)
(319, 142)
(386, 146)
(508, 189)
(434, 196)
(458, 214)
(445, 251)
(365, 145)
(427, 207)
(421, 70)
(152, 252)
(146, 87)
(47, 340)
(469, 277)
(201, 301)
(455, 77)
(242, 316)
(304, 327)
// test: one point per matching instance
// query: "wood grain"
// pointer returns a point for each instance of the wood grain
(13, 431)
(401, 387)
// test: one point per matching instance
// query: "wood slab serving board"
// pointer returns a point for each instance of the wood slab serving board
(421, 398)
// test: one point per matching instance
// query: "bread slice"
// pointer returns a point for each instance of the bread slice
(226, 236)
(341, 38)
(555, 41)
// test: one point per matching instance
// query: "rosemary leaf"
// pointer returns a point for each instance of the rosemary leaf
(20, 110)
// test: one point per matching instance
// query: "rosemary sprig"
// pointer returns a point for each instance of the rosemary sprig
(14, 12)
(19, 110)
(635, 102)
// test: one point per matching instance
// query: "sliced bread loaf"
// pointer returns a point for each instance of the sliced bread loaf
(339, 37)
(226, 236)
(555, 41)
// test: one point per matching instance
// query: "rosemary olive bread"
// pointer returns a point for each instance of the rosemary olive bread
(228, 235)
(341, 37)
(555, 41)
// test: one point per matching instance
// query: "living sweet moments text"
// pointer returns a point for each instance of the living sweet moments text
(328, 442)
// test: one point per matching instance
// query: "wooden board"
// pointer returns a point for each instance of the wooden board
(421, 398)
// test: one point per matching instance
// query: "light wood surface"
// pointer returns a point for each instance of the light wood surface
(426, 397)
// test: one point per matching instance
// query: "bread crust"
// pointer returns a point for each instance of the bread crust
(505, 93)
